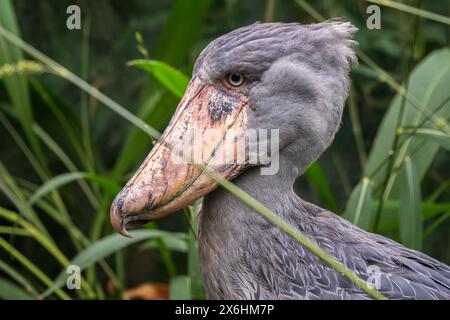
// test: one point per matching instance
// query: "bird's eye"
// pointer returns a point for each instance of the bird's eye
(235, 79)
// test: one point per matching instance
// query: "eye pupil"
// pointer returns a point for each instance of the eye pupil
(235, 79)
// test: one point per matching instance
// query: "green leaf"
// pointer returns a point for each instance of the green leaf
(63, 179)
(410, 197)
(359, 207)
(63, 113)
(11, 291)
(19, 278)
(111, 187)
(16, 84)
(173, 244)
(432, 209)
(166, 255)
(390, 220)
(173, 48)
(316, 176)
(105, 247)
(14, 193)
(428, 83)
(13, 252)
(54, 184)
(183, 26)
(197, 289)
(180, 288)
(433, 135)
(413, 10)
(438, 222)
(137, 143)
(172, 79)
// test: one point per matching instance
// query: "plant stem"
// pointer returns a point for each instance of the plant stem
(76, 80)
(294, 233)
(356, 127)
(384, 194)
(269, 11)
(31, 267)
(413, 10)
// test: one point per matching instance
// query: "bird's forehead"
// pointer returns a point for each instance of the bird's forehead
(247, 49)
(252, 49)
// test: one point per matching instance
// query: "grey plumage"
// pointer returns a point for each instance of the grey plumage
(298, 81)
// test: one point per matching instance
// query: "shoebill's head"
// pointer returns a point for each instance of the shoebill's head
(284, 76)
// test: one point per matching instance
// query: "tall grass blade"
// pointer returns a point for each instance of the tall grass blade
(410, 197)
(317, 178)
(23, 146)
(16, 84)
(359, 207)
(429, 83)
(55, 183)
(294, 233)
(31, 267)
(11, 291)
(172, 79)
(61, 112)
(108, 185)
(76, 80)
(438, 222)
(413, 10)
(186, 15)
(166, 254)
(180, 288)
(173, 244)
(46, 242)
(432, 135)
(137, 142)
(196, 280)
(19, 278)
(59, 152)
(103, 248)
(173, 47)
(12, 191)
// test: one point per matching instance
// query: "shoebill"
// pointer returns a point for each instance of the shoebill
(292, 78)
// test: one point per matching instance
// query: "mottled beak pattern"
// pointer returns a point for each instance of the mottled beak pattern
(170, 177)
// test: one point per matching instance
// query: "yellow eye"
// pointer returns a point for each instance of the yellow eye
(235, 79)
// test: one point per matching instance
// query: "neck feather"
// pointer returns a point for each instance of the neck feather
(228, 228)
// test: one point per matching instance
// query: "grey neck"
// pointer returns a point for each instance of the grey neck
(226, 217)
(268, 189)
(223, 211)
(229, 229)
